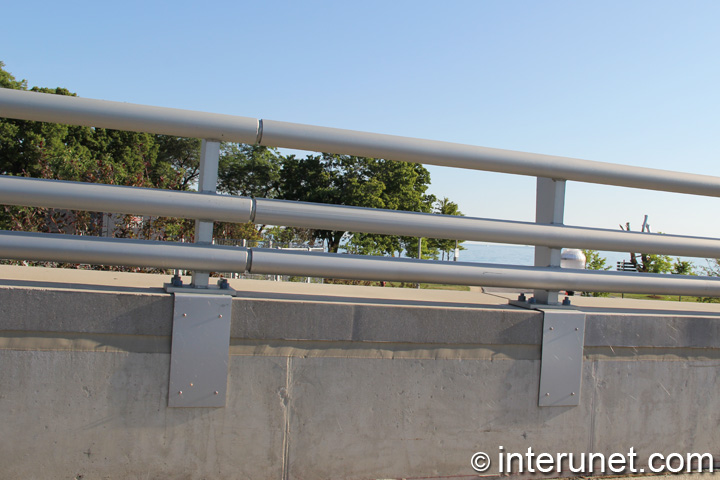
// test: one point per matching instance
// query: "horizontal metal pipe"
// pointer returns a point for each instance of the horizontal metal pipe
(334, 140)
(122, 116)
(357, 219)
(327, 265)
(105, 251)
(169, 203)
(120, 199)
(43, 107)
(123, 252)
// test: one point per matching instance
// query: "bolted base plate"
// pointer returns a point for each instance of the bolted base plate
(200, 350)
(562, 358)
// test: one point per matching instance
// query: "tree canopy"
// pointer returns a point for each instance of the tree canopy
(67, 152)
(328, 178)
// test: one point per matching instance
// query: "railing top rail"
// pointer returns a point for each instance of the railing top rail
(123, 116)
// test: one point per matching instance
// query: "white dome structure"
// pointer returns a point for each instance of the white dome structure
(572, 258)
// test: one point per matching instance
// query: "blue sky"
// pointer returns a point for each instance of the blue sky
(631, 82)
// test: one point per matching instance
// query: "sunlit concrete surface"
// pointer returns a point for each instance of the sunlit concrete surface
(336, 381)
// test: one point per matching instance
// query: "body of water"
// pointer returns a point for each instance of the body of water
(497, 253)
(477, 252)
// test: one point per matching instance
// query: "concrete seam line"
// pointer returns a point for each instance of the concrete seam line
(382, 350)
(664, 354)
(84, 342)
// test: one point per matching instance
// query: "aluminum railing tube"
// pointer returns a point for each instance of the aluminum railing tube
(334, 140)
(168, 203)
(43, 107)
(139, 253)
(327, 265)
(123, 116)
(113, 251)
(357, 219)
(119, 199)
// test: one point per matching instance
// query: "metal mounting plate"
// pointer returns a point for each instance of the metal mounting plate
(562, 358)
(200, 350)
(209, 290)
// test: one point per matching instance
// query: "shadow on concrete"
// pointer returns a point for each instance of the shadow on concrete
(303, 297)
(79, 286)
(665, 312)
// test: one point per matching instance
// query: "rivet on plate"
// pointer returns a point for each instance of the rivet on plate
(180, 392)
(216, 392)
(191, 385)
(547, 394)
(573, 393)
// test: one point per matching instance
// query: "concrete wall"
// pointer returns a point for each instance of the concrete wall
(344, 382)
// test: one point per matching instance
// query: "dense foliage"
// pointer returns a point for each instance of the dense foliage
(75, 153)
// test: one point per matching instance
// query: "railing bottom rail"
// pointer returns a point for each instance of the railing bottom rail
(170, 255)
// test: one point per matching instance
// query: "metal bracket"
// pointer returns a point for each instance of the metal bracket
(562, 352)
(209, 290)
(562, 358)
(200, 350)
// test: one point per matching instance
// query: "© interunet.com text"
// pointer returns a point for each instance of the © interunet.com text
(586, 463)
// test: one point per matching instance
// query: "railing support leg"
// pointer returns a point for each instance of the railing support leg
(549, 210)
(209, 160)
(201, 318)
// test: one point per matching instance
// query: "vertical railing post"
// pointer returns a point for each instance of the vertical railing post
(201, 316)
(207, 183)
(549, 210)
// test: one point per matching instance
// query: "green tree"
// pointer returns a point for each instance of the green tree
(65, 152)
(683, 267)
(652, 263)
(236, 231)
(179, 156)
(712, 269)
(649, 262)
(402, 186)
(256, 171)
(593, 260)
(7, 80)
(96, 155)
(333, 179)
(445, 246)
(249, 170)
(23, 143)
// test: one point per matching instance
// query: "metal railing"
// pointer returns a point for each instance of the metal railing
(548, 234)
